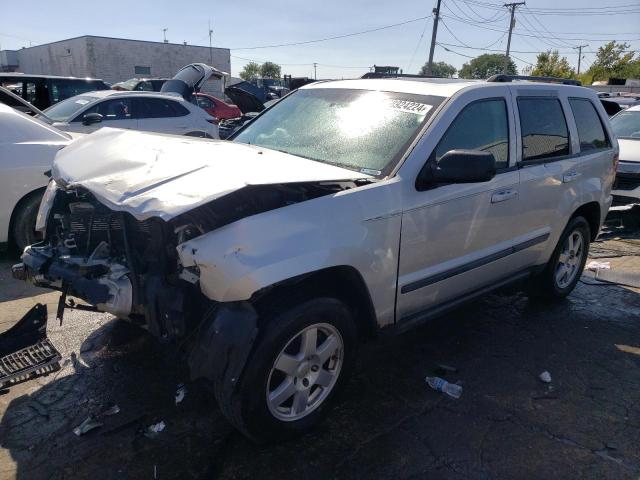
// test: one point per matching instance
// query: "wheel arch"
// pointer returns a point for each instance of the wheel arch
(16, 208)
(343, 282)
(591, 212)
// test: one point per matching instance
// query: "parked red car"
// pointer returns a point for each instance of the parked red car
(216, 107)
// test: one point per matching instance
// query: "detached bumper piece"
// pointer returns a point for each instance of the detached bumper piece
(25, 350)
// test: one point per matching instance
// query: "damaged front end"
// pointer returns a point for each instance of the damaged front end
(129, 267)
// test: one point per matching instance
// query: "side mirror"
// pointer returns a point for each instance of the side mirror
(91, 118)
(458, 166)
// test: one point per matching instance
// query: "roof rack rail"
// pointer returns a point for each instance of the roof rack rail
(510, 78)
(396, 75)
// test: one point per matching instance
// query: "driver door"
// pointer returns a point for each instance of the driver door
(457, 238)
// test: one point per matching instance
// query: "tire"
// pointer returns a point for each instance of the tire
(565, 266)
(283, 335)
(24, 222)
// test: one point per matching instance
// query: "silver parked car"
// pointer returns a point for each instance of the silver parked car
(347, 209)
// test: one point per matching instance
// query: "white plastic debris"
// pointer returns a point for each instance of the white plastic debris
(154, 429)
(112, 409)
(441, 385)
(181, 391)
(89, 424)
(545, 377)
(595, 265)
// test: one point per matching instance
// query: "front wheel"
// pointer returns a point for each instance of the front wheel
(303, 358)
(565, 267)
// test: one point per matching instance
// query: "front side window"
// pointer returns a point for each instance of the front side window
(362, 130)
(590, 131)
(482, 125)
(543, 129)
(204, 102)
(62, 89)
(144, 86)
(117, 109)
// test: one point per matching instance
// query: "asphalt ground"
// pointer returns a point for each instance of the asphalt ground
(507, 424)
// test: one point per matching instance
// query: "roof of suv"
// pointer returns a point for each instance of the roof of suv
(443, 87)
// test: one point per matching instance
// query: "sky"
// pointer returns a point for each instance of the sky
(241, 25)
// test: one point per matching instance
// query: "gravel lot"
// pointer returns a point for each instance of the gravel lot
(507, 424)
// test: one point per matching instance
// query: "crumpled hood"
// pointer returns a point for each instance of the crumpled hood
(154, 175)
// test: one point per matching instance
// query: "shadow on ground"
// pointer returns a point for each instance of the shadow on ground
(508, 424)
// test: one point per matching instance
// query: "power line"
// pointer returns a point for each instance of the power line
(452, 51)
(346, 35)
(458, 19)
(615, 9)
(413, 55)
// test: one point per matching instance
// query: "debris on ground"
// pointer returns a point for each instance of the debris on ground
(442, 367)
(545, 377)
(90, 423)
(112, 409)
(596, 265)
(153, 430)
(441, 385)
(181, 391)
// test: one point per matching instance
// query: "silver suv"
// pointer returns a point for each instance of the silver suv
(346, 209)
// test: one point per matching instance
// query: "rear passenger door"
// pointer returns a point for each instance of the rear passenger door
(549, 171)
(162, 115)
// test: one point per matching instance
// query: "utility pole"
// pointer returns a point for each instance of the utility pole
(511, 6)
(210, 49)
(580, 47)
(164, 35)
(434, 32)
(315, 71)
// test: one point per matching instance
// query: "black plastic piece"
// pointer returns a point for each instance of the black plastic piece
(224, 340)
(509, 78)
(25, 350)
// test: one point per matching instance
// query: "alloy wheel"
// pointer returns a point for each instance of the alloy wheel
(305, 372)
(570, 259)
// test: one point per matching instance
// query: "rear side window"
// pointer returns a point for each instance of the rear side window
(160, 108)
(481, 125)
(590, 131)
(543, 128)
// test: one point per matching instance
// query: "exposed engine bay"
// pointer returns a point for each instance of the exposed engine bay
(130, 267)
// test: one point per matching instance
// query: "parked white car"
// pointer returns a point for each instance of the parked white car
(626, 126)
(27, 149)
(347, 209)
(147, 111)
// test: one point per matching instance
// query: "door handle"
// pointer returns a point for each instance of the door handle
(503, 196)
(570, 177)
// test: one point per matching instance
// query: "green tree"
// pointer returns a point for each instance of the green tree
(440, 69)
(250, 71)
(615, 60)
(550, 64)
(270, 70)
(486, 65)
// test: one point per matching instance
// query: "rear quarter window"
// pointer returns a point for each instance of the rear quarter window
(591, 133)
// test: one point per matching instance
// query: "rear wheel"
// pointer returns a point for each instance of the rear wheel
(24, 222)
(565, 267)
(302, 360)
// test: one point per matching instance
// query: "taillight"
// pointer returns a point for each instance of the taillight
(213, 120)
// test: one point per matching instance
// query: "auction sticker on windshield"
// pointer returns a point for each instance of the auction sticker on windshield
(408, 106)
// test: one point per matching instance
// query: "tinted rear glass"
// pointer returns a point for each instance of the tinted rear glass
(63, 89)
(543, 128)
(590, 131)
